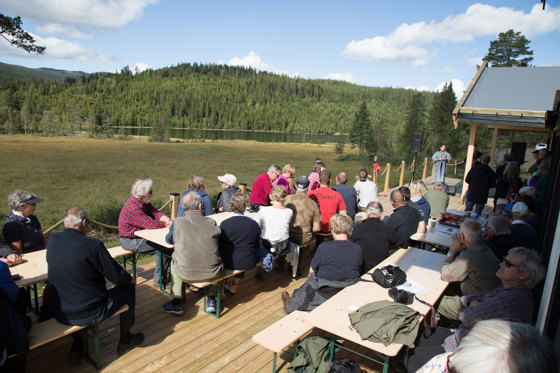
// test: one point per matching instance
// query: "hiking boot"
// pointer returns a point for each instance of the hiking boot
(211, 305)
(133, 341)
(173, 309)
(285, 300)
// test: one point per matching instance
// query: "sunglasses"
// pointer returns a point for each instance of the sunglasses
(151, 192)
(509, 264)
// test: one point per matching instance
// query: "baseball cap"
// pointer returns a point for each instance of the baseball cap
(33, 199)
(520, 209)
(302, 182)
(229, 179)
(539, 147)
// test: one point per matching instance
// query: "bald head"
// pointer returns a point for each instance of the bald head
(397, 197)
(191, 201)
(341, 178)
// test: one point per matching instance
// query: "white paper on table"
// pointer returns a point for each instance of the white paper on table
(447, 229)
(411, 286)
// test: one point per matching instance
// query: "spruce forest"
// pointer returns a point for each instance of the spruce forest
(209, 96)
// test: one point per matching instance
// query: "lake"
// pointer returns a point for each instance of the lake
(216, 134)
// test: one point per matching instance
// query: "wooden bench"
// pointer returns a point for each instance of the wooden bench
(283, 333)
(118, 252)
(50, 330)
(227, 273)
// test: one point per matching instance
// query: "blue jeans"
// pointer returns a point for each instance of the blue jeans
(479, 207)
(142, 246)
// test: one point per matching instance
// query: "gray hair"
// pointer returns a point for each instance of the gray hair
(499, 224)
(531, 263)
(416, 189)
(341, 224)
(275, 168)
(504, 346)
(528, 191)
(191, 201)
(16, 198)
(75, 216)
(374, 208)
(141, 187)
(472, 230)
(438, 186)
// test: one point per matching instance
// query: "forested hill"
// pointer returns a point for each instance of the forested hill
(198, 96)
(16, 71)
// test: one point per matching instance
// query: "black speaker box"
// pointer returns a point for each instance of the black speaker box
(518, 151)
(416, 146)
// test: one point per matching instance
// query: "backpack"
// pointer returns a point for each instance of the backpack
(311, 356)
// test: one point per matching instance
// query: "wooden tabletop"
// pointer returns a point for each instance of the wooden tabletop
(436, 237)
(420, 266)
(154, 235)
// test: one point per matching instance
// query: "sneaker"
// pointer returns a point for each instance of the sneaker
(172, 309)
(133, 341)
(285, 300)
(211, 305)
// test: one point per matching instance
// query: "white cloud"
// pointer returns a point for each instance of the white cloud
(458, 87)
(448, 69)
(252, 60)
(58, 29)
(406, 43)
(111, 14)
(347, 77)
(56, 48)
(140, 66)
(474, 62)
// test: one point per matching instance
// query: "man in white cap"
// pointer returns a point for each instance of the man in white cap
(228, 189)
(521, 232)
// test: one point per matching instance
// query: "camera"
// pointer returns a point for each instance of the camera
(401, 296)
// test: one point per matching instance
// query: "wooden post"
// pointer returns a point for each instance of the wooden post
(243, 187)
(493, 152)
(468, 163)
(401, 179)
(433, 169)
(425, 168)
(387, 176)
(174, 204)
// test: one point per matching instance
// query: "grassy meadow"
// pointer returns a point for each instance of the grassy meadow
(97, 173)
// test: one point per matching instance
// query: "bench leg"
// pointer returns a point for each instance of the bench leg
(93, 333)
(161, 274)
(36, 298)
(218, 300)
(274, 363)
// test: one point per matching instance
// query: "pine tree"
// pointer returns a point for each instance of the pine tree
(415, 121)
(507, 50)
(339, 146)
(360, 128)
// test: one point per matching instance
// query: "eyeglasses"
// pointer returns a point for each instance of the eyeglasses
(509, 264)
(151, 192)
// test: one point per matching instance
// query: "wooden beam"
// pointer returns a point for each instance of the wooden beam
(510, 112)
(519, 128)
(467, 93)
(468, 162)
(492, 153)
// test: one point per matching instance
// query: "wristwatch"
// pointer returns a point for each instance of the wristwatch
(450, 254)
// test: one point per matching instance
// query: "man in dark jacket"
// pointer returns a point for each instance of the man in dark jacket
(480, 179)
(228, 189)
(376, 238)
(78, 267)
(348, 193)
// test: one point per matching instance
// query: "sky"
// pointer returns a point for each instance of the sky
(408, 43)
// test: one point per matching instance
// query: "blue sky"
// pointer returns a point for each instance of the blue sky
(408, 43)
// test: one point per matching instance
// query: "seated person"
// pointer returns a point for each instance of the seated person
(406, 220)
(263, 185)
(437, 199)
(240, 240)
(306, 218)
(196, 256)
(329, 201)
(138, 213)
(22, 230)
(521, 232)
(9, 255)
(498, 236)
(196, 184)
(365, 189)
(498, 346)
(284, 178)
(228, 189)
(470, 263)
(533, 218)
(418, 200)
(78, 268)
(348, 193)
(520, 271)
(313, 177)
(335, 265)
(275, 222)
(375, 238)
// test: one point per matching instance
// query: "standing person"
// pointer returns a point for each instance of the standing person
(284, 178)
(348, 194)
(329, 201)
(196, 184)
(508, 184)
(501, 195)
(138, 213)
(263, 185)
(228, 189)
(437, 199)
(22, 230)
(480, 179)
(196, 257)
(314, 175)
(78, 268)
(440, 159)
(365, 189)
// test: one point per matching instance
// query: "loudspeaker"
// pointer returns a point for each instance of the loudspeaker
(416, 146)
(518, 152)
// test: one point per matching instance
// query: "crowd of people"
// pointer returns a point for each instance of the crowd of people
(494, 268)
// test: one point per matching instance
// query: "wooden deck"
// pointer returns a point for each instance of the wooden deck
(194, 342)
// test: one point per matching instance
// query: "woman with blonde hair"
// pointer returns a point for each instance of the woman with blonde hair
(417, 198)
(284, 179)
(275, 221)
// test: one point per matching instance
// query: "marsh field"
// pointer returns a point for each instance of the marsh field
(97, 173)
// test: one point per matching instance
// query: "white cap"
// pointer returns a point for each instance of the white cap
(520, 209)
(229, 179)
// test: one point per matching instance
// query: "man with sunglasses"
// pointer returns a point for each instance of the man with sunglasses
(519, 272)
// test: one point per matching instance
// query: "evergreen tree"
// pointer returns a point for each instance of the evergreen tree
(339, 146)
(507, 50)
(440, 126)
(415, 121)
(360, 128)
(11, 30)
